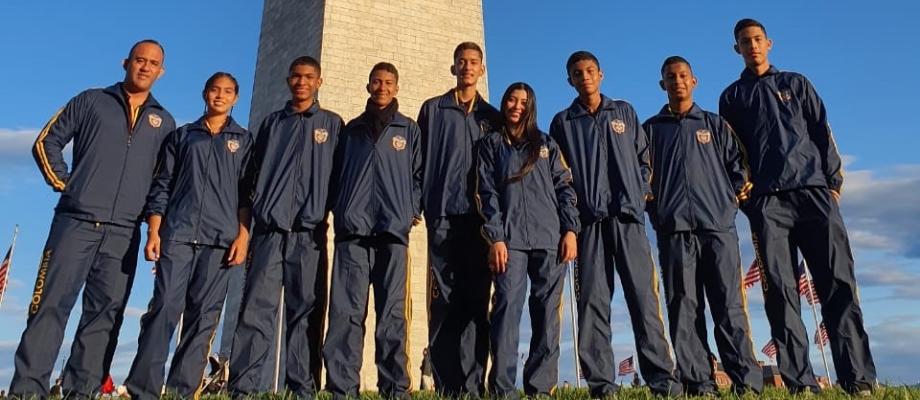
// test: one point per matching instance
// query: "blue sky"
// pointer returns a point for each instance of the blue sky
(857, 54)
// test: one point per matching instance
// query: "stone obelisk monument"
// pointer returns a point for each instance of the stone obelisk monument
(348, 37)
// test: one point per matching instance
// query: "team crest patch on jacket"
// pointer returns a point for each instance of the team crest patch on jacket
(154, 120)
(233, 145)
(544, 151)
(703, 136)
(784, 95)
(399, 143)
(320, 135)
(485, 125)
(618, 126)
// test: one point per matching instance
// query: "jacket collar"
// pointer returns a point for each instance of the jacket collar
(118, 91)
(695, 112)
(579, 110)
(230, 127)
(449, 100)
(398, 120)
(289, 109)
(747, 74)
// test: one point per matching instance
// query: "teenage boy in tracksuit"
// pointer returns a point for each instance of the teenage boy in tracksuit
(458, 324)
(378, 179)
(608, 152)
(291, 169)
(698, 180)
(95, 234)
(797, 176)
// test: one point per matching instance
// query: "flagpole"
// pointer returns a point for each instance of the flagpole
(10, 266)
(814, 314)
(574, 322)
(179, 329)
(278, 341)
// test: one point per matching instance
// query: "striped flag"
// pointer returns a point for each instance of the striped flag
(5, 270)
(821, 335)
(626, 367)
(753, 275)
(807, 286)
(769, 349)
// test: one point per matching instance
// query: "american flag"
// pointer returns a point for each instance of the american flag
(752, 276)
(769, 349)
(5, 270)
(626, 367)
(821, 335)
(807, 286)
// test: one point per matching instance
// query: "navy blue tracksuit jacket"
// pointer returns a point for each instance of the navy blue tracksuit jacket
(94, 237)
(529, 216)
(608, 153)
(377, 197)
(782, 123)
(458, 298)
(698, 173)
(198, 191)
(290, 175)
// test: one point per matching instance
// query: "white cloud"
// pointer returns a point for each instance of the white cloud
(881, 208)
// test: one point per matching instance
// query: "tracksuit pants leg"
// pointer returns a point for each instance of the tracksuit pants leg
(721, 270)
(595, 282)
(822, 238)
(204, 302)
(99, 258)
(679, 255)
(547, 279)
(358, 263)
(291, 260)
(459, 290)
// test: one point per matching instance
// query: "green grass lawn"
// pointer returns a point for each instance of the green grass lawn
(883, 393)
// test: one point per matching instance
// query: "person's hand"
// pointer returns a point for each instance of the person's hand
(836, 195)
(498, 257)
(236, 255)
(416, 221)
(568, 248)
(152, 249)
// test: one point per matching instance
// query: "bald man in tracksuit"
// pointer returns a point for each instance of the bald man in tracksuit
(698, 178)
(94, 238)
(797, 175)
(608, 152)
(378, 190)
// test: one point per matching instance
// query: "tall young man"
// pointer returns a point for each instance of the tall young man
(291, 168)
(607, 150)
(378, 190)
(698, 179)
(797, 176)
(460, 280)
(95, 234)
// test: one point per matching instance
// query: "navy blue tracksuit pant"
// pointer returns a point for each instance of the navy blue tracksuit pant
(459, 287)
(361, 261)
(547, 278)
(294, 260)
(99, 258)
(624, 244)
(191, 281)
(695, 264)
(808, 220)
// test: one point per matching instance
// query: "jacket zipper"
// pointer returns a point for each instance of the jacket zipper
(207, 173)
(131, 127)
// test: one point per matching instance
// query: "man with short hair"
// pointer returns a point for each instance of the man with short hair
(95, 234)
(797, 175)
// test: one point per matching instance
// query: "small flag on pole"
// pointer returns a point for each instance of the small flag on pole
(807, 286)
(821, 335)
(769, 349)
(5, 270)
(752, 276)
(626, 367)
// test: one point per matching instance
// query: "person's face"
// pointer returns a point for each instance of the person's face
(382, 88)
(585, 76)
(468, 67)
(143, 67)
(515, 107)
(303, 81)
(221, 96)
(753, 45)
(678, 81)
